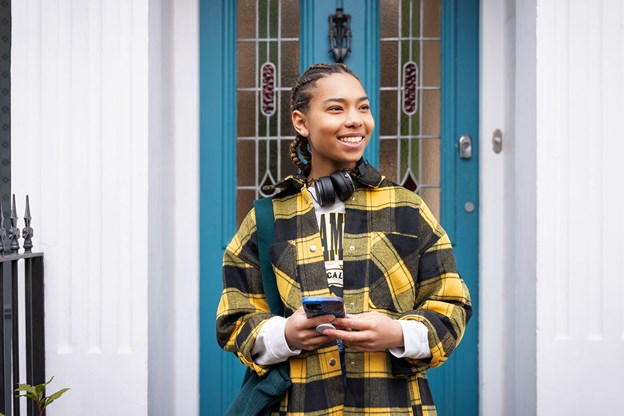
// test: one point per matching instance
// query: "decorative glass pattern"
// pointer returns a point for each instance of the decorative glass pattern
(268, 89)
(267, 68)
(410, 96)
(410, 88)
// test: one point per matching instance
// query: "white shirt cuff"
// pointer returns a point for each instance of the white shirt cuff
(270, 346)
(415, 341)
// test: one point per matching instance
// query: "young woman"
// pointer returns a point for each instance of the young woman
(343, 229)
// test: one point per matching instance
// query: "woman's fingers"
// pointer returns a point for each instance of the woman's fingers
(301, 333)
(370, 331)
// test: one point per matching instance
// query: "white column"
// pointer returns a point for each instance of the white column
(186, 133)
(80, 149)
(496, 37)
(508, 203)
(580, 264)
(174, 208)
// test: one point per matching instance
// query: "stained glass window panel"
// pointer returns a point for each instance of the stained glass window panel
(290, 19)
(246, 150)
(246, 25)
(410, 79)
(431, 62)
(246, 65)
(246, 126)
(388, 154)
(389, 57)
(390, 26)
(431, 113)
(388, 113)
(267, 68)
(432, 15)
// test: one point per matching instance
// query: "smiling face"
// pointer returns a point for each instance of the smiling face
(338, 124)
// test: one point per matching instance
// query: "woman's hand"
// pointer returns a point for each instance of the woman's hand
(370, 331)
(301, 331)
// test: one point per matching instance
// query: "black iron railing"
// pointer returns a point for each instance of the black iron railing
(15, 266)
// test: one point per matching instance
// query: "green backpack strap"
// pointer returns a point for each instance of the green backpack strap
(265, 224)
(259, 394)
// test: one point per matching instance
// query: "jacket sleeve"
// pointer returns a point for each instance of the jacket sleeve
(442, 301)
(243, 308)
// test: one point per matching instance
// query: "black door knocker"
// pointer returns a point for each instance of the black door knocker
(340, 34)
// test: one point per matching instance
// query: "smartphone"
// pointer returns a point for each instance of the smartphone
(323, 305)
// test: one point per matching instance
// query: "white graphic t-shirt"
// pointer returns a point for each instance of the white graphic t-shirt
(331, 225)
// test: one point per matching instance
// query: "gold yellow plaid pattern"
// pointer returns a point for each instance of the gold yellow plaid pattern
(397, 260)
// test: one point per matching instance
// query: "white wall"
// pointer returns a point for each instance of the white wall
(580, 263)
(104, 140)
(79, 141)
(552, 256)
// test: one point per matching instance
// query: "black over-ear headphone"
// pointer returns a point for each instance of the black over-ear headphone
(338, 184)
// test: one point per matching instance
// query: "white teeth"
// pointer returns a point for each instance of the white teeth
(356, 139)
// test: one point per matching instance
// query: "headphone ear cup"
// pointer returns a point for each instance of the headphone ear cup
(324, 190)
(343, 184)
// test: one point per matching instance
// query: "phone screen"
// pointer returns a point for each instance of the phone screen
(323, 305)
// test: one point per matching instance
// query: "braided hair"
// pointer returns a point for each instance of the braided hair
(300, 99)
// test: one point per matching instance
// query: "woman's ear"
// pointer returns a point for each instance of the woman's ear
(299, 122)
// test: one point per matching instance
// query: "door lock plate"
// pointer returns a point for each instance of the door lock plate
(465, 147)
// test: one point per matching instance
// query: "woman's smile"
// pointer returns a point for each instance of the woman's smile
(350, 139)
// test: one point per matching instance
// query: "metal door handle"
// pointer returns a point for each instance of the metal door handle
(465, 147)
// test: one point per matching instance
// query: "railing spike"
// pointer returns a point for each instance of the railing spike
(27, 216)
(13, 210)
(14, 232)
(27, 231)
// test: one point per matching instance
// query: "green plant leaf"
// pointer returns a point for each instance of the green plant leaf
(26, 387)
(28, 396)
(55, 396)
(36, 394)
(41, 387)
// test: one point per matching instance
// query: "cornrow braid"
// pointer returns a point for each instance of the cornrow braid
(302, 93)
(295, 148)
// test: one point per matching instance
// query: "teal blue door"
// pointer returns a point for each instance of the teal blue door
(417, 59)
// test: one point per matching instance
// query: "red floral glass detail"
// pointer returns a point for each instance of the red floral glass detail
(410, 88)
(268, 89)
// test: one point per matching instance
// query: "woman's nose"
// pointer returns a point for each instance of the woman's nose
(353, 119)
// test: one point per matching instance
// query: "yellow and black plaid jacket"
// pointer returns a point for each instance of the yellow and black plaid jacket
(397, 260)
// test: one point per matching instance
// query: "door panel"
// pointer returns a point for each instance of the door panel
(418, 61)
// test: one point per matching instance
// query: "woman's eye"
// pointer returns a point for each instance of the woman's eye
(365, 107)
(335, 108)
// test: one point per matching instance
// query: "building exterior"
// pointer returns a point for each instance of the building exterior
(123, 134)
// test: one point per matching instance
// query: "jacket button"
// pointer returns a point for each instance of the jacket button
(332, 362)
(313, 248)
(351, 248)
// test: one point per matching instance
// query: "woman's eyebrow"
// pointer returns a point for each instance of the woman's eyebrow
(342, 100)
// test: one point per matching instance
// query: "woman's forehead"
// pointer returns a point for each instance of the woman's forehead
(341, 86)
